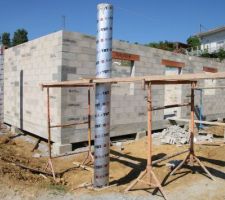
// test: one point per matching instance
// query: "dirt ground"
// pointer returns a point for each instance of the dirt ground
(19, 183)
(218, 131)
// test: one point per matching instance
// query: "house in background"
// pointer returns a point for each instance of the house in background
(213, 39)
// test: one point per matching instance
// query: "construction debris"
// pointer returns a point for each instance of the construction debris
(172, 164)
(119, 145)
(202, 138)
(85, 167)
(175, 135)
(36, 155)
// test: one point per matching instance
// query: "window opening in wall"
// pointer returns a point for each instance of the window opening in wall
(220, 44)
(123, 68)
(173, 94)
(209, 83)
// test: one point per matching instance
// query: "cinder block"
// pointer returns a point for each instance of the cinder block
(58, 148)
(140, 134)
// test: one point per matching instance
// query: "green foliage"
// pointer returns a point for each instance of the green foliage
(221, 54)
(206, 54)
(20, 36)
(6, 39)
(165, 45)
(194, 42)
(217, 54)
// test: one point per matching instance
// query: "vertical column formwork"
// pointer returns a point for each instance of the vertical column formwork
(1, 84)
(103, 94)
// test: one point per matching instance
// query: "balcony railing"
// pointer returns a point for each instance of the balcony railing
(198, 51)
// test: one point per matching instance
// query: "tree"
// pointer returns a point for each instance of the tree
(165, 45)
(19, 37)
(221, 54)
(193, 41)
(6, 39)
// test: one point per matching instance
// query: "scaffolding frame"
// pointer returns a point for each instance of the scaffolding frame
(200, 89)
(148, 81)
(152, 180)
(49, 126)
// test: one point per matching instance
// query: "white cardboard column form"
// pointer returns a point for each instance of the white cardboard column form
(103, 94)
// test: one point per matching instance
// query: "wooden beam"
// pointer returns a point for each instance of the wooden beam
(155, 79)
(171, 63)
(197, 121)
(169, 82)
(76, 83)
(210, 69)
(125, 56)
(182, 77)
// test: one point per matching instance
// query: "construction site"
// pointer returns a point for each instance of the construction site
(89, 117)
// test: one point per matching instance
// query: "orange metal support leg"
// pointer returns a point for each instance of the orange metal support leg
(191, 157)
(49, 163)
(152, 180)
(89, 157)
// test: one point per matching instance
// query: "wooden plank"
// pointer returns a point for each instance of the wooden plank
(170, 82)
(85, 167)
(197, 121)
(36, 144)
(210, 69)
(160, 78)
(171, 63)
(182, 77)
(170, 106)
(76, 83)
(214, 143)
(125, 56)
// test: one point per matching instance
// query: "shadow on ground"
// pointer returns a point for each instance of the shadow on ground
(136, 168)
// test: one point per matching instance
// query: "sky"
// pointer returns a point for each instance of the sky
(141, 21)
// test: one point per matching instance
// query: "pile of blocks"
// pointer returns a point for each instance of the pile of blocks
(174, 135)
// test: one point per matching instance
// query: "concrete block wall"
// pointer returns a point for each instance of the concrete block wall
(213, 105)
(65, 56)
(26, 66)
(1, 84)
(78, 60)
(128, 106)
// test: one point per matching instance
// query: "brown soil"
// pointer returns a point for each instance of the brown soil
(216, 130)
(125, 165)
